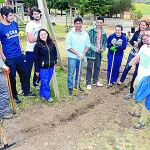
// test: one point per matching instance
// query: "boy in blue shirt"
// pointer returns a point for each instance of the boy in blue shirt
(11, 52)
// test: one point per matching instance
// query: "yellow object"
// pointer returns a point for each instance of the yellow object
(21, 33)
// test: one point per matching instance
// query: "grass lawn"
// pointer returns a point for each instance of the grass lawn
(144, 8)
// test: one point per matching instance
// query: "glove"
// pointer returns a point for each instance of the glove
(113, 48)
(81, 56)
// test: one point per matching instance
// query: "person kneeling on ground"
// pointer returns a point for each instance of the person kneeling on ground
(5, 112)
(45, 57)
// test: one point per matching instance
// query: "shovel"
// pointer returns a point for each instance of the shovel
(3, 137)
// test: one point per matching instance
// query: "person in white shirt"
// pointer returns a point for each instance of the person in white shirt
(143, 107)
(32, 30)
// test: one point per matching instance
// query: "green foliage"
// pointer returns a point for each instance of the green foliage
(144, 8)
(119, 6)
(2, 1)
(31, 3)
(138, 14)
(95, 7)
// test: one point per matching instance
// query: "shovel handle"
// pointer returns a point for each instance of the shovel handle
(11, 96)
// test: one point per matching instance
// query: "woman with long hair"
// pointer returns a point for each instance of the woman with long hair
(45, 57)
(136, 44)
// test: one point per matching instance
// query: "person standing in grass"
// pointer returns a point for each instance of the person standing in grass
(32, 29)
(77, 44)
(130, 94)
(45, 58)
(116, 44)
(12, 52)
(98, 39)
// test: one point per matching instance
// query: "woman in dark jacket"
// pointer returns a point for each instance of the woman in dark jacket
(136, 44)
(45, 57)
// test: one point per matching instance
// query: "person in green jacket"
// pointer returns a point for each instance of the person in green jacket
(98, 39)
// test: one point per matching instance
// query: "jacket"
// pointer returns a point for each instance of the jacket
(45, 56)
(93, 40)
(77, 41)
(138, 38)
(120, 42)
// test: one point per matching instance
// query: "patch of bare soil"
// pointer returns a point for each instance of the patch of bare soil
(94, 120)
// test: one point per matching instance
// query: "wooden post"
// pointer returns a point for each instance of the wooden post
(43, 7)
(46, 18)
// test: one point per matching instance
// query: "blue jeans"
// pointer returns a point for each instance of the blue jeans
(126, 70)
(97, 64)
(4, 96)
(45, 77)
(73, 65)
(116, 67)
(30, 61)
(18, 64)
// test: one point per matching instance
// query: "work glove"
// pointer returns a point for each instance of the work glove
(113, 48)
(82, 56)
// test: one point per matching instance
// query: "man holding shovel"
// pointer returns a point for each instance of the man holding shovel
(77, 44)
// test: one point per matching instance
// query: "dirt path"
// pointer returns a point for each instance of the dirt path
(95, 120)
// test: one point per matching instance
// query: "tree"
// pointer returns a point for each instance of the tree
(96, 7)
(119, 6)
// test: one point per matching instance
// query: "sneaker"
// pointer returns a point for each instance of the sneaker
(138, 126)
(37, 88)
(17, 101)
(30, 95)
(70, 92)
(133, 114)
(128, 96)
(119, 83)
(80, 89)
(7, 116)
(110, 85)
(98, 84)
(50, 100)
(20, 92)
(89, 87)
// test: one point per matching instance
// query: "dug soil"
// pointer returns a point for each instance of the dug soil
(97, 119)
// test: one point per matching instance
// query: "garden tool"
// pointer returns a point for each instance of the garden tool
(112, 65)
(3, 137)
(11, 96)
(78, 81)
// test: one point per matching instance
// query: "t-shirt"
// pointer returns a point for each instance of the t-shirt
(98, 38)
(32, 27)
(10, 40)
(144, 64)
